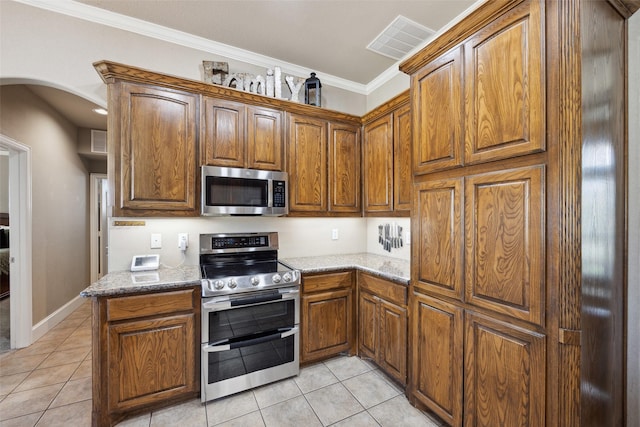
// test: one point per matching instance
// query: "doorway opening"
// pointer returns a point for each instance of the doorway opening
(18, 257)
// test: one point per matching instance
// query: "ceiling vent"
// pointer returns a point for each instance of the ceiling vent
(399, 38)
(99, 141)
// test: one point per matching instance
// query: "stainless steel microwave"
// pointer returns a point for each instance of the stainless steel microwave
(236, 191)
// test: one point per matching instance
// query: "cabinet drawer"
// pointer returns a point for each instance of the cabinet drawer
(323, 282)
(149, 304)
(390, 291)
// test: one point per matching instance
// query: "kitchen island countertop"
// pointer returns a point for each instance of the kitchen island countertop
(394, 269)
(125, 282)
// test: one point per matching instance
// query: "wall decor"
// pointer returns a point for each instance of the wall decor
(215, 72)
(268, 85)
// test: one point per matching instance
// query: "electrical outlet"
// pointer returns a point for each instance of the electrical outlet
(334, 234)
(156, 241)
(183, 241)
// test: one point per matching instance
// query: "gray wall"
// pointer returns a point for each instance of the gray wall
(59, 199)
(4, 181)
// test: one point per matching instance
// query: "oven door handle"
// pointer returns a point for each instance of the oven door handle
(249, 342)
(225, 303)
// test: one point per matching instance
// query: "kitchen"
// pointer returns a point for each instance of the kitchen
(322, 237)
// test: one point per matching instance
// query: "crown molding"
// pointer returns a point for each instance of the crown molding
(138, 26)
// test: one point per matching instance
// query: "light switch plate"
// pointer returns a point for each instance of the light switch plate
(156, 241)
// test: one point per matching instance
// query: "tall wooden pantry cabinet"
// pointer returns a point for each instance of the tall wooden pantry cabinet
(518, 218)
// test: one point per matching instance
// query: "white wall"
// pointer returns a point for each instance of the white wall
(60, 50)
(297, 236)
(633, 305)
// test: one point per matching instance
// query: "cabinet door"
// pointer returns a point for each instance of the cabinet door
(393, 340)
(265, 140)
(402, 172)
(504, 233)
(504, 83)
(327, 322)
(156, 152)
(436, 357)
(151, 360)
(307, 164)
(504, 374)
(368, 325)
(223, 139)
(437, 239)
(438, 114)
(378, 165)
(344, 168)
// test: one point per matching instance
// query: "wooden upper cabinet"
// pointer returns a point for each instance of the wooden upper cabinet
(438, 114)
(242, 136)
(438, 251)
(307, 164)
(505, 87)
(402, 173)
(344, 168)
(505, 371)
(265, 140)
(377, 161)
(154, 145)
(223, 137)
(505, 242)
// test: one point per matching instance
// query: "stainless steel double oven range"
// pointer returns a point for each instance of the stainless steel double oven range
(250, 313)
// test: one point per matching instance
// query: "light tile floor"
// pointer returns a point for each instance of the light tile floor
(49, 384)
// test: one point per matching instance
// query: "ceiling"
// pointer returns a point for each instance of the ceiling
(327, 36)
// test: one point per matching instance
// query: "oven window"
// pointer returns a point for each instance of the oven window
(244, 360)
(250, 320)
(224, 191)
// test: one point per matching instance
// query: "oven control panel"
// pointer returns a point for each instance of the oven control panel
(238, 242)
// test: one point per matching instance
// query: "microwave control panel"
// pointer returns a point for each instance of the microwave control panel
(279, 194)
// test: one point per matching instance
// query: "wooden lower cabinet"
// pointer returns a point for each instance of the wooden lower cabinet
(145, 353)
(436, 359)
(504, 374)
(499, 380)
(327, 315)
(382, 324)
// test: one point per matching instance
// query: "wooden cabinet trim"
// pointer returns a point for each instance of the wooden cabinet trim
(385, 289)
(136, 306)
(111, 72)
(326, 281)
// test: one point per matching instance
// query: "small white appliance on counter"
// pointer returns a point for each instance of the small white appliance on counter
(145, 262)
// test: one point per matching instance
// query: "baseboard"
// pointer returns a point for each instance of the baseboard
(48, 323)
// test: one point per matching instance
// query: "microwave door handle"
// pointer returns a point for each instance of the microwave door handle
(270, 193)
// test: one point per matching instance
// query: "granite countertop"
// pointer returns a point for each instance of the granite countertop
(394, 269)
(124, 282)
